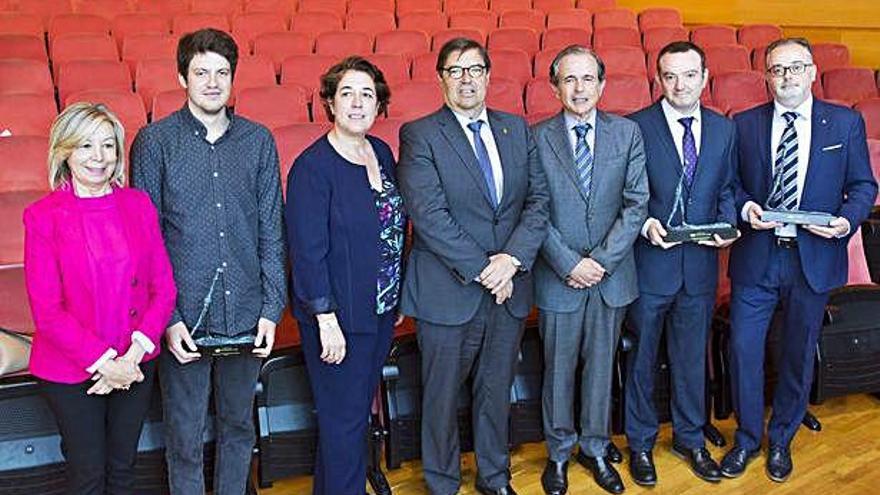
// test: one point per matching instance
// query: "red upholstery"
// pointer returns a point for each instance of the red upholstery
(148, 46)
(342, 43)
(388, 130)
(625, 94)
(849, 84)
(615, 18)
(128, 24)
(414, 99)
(727, 58)
(560, 37)
(712, 35)
(737, 91)
(394, 67)
(829, 56)
(128, 107)
(870, 110)
(623, 60)
(442, 36)
(505, 95)
(406, 42)
(274, 106)
(280, 45)
(614, 35)
(187, 23)
(81, 75)
(78, 24)
(370, 22)
(18, 23)
(23, 46)
(517, 38)
(167, 102)
(305, 70)
(528, 18)
(25, 76)
(292, 139)
(659, 17)
(247, 27)
(155, 76)
(540, 98)
(27, 114)
(315, 23)
(480, 20)
(758, 35)
(574, 18)
(515, 65)
(428, 21)
(658, 37)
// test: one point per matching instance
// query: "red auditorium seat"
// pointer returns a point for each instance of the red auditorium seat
(870, 110)
(30, 172)
(659, 17)
(292, 140)
(228, 8)
(658, 37)
(532, 19)
(77, 24)
(70, 47)
(571, 18)
(81, 75)
(441, 37)
(128, 24)
(407, 6)
(737, 91)
(165, 8)
(525, 39)
(155, 76)
(597, 5)
(187, 23)
(560, 37)
(388, 130)
(107, 9)
(128, 107)
(551, 5)
(481, 20)
(406, 42)
(505, 95)
(394, 67)
(315, 23)
(148, 46)
(829, 56)
(540, 98)
(166, 102)
(758, 59)
(371, 5)
(322, 6)
(343, 43)
(274, 106)
(26, 115)
(615, 18)
(247, 27)
(414, 99)
(430, 22)
(623, 60)
(849, 84)
(46, 9)
(284, 8)
(758, 35)
(515, 65)
(23, 46)
(19, 23)
(712, 35)
(25, 76)
(857, 265)
(278, 46)
(306, 70)
(874, 153)
(726, 58)
(625, 94)
(818, 90)
(253, 72)
(611, 36)
(502, 6)
(452, 6)
(370, 22)
(424, 67)
(541, 64)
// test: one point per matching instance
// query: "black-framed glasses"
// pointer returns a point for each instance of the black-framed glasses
(794, 69)
(457, 72)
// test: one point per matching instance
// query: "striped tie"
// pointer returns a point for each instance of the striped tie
(583, 157)
(785, 167)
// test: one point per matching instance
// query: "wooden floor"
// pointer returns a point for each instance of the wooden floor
(842, 459)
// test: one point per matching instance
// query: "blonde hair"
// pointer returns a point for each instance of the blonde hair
(73, 126)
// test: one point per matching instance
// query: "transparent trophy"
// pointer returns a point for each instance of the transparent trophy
(797, 217)
(213, 345)
(686, 232)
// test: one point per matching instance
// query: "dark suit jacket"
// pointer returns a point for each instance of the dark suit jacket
(839, 181)
(710, 199)
(602, 226)
(333, 236)
(455, 226)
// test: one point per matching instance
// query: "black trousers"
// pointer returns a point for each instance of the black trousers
(99, 433)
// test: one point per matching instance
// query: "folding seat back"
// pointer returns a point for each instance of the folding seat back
(515, 65)
(570, 18)
(429, 21)
(874, 153)
(306, 70)
(615, 18)
(623, 60)
(424, 67)
(552, 5)
(505, 95)
(870, 110)
(441, 37)
(248, 26)
(502, 6)
(849, 84)
(758, 35)
(734, 92)
(542, 62)
(388, 130)
(525, 39)
(280, 45)
(532, 19)
(480, 20)
(26, 115)
(19, 23)
(24, 159)
(315, 23)
(408, 6)
(625, 94)
(128, 107)
(452, 6)
(711, 35)
(107, 9)
(282, 8)
(153, 76)
(829, 56)
(726, 58)
(253, 72)
(614, 35)
(406, 42)
(23, 46)
(597, 5)
(81, 75)
(148, 46)
(371, 6)
(657, 37)
(558, 38)
(414, 99)
(659, 17)
(370, 22)
(78, 24)
(228, 8)
(69, 47)
(46, 9)
(540, 97)
(166, 8)
(338, 6)
(394, 67)
(166, 102)
(293, 139)
(138, 23)
(187, 23)
(274, 106)
(759, 59)
(343, 43)
(25, 76)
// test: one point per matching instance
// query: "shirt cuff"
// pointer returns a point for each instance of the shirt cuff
(107, 356)
(648, 222)
(143, 340)
(744, 214)
(848, 228)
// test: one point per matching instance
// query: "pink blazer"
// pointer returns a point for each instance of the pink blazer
(63, 293)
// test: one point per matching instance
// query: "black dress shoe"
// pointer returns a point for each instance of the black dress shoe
(613, 453)
(779, 463)
(701, 462)
(641, 467)
(734, 463)
(485, 490)
(603, 472)
(555, 478)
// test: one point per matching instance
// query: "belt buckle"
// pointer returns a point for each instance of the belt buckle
(786, 242)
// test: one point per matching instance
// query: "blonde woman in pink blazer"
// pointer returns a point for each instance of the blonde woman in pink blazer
(101, 293)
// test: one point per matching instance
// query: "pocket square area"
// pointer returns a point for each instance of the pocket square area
(833, 147)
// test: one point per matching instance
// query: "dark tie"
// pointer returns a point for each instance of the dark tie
(785, 167)
(688, 150)
(583, 157)
(483, 160)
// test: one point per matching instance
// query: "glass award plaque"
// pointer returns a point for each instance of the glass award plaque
(798, 217)
(686, 232)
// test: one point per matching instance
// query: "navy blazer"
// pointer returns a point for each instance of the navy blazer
(710, 199)
(333, 236)
(839, 181)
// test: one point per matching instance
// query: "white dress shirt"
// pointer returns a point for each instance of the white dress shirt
(491, 147)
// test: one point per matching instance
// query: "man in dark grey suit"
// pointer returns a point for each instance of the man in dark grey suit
(585, 276)
(477, 198)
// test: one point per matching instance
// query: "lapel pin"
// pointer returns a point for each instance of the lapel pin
(504, 130)
(824, 121)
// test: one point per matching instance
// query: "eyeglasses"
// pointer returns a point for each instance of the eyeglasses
(794, 69)
(457, 72)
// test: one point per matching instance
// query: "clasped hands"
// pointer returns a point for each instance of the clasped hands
(497, 277)
(587, 273)
(837, 228)
(118, 373)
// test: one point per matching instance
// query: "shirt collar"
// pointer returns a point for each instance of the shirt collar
(673, 115)
(804, 110)
(572, 120)
(464, 120)
(195, 124)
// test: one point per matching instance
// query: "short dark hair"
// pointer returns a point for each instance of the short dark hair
(330, 82)
(575, 50)
(203, 41)
(682, 47)
(461, 45)
(787, 41)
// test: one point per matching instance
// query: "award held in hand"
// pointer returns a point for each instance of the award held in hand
(686, 232)
(798, 217)
(214, 345)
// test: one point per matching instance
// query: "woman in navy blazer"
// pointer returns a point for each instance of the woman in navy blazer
(345, 228)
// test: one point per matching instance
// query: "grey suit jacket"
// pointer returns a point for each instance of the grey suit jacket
(603, 227)
(455, 226)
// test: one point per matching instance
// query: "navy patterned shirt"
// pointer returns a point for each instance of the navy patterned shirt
(220, 210)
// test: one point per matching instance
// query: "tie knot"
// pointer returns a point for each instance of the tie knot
(475, 126)
(581, 130)
(686, 122)
(790, 117)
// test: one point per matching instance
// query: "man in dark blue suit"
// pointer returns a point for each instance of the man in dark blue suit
(690, 154)
(795, 153)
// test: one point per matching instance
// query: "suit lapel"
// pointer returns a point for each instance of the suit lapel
(765, 130)
(665, 134)
(820, 125)
(558, 140)
(601, 149)
(501, 133)
(453, 133)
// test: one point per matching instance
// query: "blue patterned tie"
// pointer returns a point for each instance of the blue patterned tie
(688, 150)
(483, 160)
(785, 167)
(583, 158)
